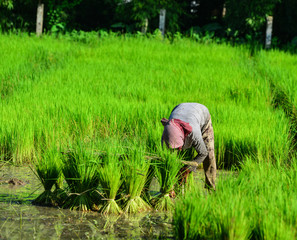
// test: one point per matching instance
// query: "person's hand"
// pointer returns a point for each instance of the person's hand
(184, 174)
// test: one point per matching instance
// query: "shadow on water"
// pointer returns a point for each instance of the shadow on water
(19, 219)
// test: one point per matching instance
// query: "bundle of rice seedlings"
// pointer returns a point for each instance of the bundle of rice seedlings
(135, 172)
(59, 193)
(48, 171)
(110, 181)
(80, 172)
(146, 195)
(166, 172)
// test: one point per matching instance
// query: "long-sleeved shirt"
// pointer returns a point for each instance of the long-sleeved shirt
(197, 115)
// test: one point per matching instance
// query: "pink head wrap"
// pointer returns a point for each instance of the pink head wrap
(175, 132)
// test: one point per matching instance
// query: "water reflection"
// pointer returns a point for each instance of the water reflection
(19, 219)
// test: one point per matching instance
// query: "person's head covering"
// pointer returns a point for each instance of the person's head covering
(175, 132)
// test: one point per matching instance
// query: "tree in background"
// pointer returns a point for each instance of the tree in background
(6, 3)
(143, 11)
(21, 14)
(93, 15)
(176, 11)
(136, 15)
(15, 14)
(204, 17)
(59, 14)
(5, 7)
(244, 20)
(248, 17)
(206, 11)
(285, 22)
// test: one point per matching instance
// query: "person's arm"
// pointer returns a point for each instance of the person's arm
(200, 148)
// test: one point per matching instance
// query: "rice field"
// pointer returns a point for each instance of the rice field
(85, 113)
(57, 91)
(259, 202)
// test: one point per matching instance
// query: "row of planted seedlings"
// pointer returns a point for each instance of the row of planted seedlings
(111, 181)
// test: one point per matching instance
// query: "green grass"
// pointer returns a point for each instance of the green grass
(110, 177)
(81, 174)
(135, 172)
(120, 88)
(280, 70)
(259, 202)
(47, 168)
(167, 173)
(111, 92)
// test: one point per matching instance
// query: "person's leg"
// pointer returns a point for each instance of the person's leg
(209, 164)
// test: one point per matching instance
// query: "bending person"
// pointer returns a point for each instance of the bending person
(189, 125)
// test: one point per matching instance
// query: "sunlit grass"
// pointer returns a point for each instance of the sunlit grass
(121, 87)
(47, 168)
(110, 93)
(257, 203)
(110, 177)
(135, 172)
(80, 172)
(166, 172)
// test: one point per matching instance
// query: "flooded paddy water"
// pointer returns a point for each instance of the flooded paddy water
(19, 219)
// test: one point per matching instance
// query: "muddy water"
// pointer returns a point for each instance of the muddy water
(19, 219)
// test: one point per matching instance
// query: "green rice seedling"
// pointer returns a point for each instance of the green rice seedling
(191, 216)
(200, 214)
(44, 89)
(166, 171)
(258, 202)
(47, 167)
(271, 226)
(146, 195)
(80, 169)
(110, 178)
(135, 172)
(232, 224)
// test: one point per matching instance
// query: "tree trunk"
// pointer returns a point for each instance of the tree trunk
(224, 11)
(162, 21)
(268, 32)
(39, 18)
(144, 26)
